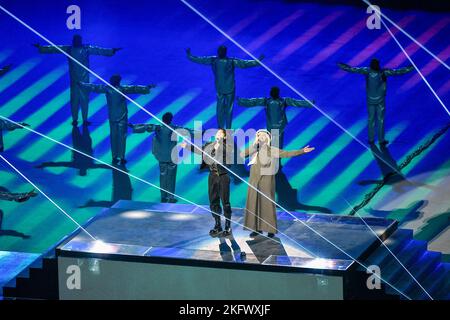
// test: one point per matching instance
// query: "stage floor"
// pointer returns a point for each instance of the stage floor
(181, 231)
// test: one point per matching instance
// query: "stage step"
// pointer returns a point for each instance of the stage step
(442, 290)
(420, 269)
(433, 282)
(14, 264)
(407, 256)
(396, 242)
(426, 266)
(40, 281)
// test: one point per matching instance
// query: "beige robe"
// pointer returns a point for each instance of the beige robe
(260, 212)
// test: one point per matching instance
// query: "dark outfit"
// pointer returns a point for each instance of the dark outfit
(162, 147)
(79, 96)
(376, 95)
(117, 113)
(276, 118)
(224, 74)
(218, 180)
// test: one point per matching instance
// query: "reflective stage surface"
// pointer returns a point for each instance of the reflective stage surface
(178, 233)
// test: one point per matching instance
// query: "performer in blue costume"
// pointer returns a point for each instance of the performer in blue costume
(162, 148)
(80, 52)
(223, 68)
(117, 112)
(376, 79)
(275, 106)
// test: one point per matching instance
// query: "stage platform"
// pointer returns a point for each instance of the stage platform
(164, 251)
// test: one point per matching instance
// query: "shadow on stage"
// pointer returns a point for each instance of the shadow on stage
(121, 190)
(287, 196)
(410, 213)
(390, 171)
(263, 247)
(81, 140)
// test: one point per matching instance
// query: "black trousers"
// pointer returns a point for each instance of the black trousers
(219, 190)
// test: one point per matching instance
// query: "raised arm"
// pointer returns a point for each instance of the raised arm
(52, 49)
(252, 102)
(10, 126)
(18, 197)
(185, 145)
(98, 51)
(136, 89)
(279, 153)
(249, 151)
(5, 69)
(97, 88)
(397, 72)
(299, 103)
(191, 131)
(240, 63)
(346, 67)
(141, 128)
(8, 196)
(200, 60)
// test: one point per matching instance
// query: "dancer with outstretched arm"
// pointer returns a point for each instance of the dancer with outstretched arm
(275, 107)
(80, 52)
(117, 112)
(376, 79)
(163, 145)
(223, 68)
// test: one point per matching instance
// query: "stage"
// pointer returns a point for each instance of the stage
(164, 251)
(144, 245)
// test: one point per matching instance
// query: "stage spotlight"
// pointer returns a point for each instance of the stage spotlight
(136, 214)
(101, 247)
(320, 263)
(181, 217)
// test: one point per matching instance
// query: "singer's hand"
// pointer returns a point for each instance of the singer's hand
(308, 149)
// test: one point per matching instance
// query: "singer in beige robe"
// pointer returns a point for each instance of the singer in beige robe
(260, 212)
